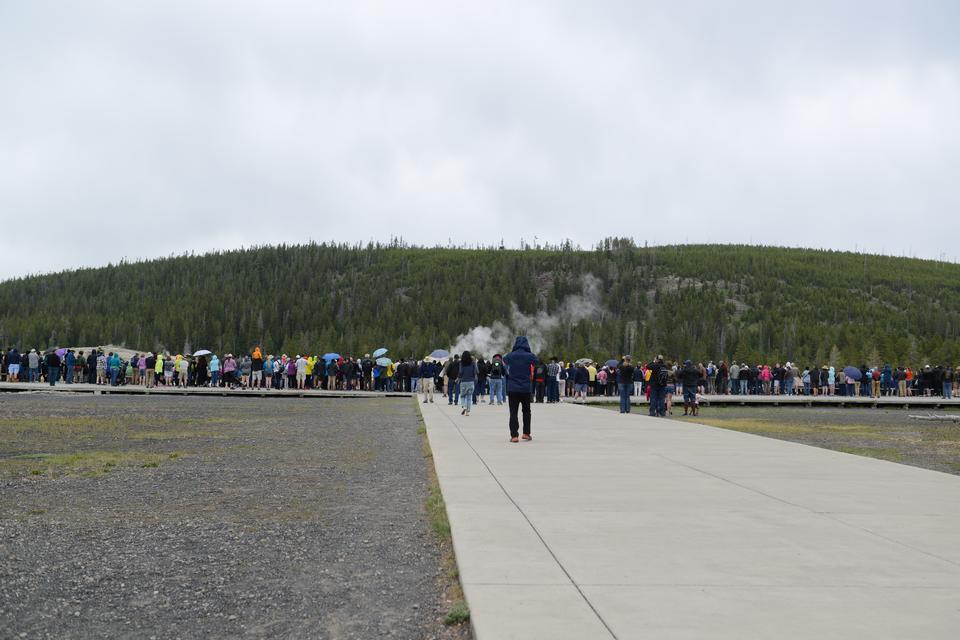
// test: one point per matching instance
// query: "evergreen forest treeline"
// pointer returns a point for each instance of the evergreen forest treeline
(705, 301)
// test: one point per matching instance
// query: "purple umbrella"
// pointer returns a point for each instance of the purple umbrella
(852, 372)
(61, 352)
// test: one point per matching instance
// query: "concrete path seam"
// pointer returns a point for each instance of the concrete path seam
(532, 526)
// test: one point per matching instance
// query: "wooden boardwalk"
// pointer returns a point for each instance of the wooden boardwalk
(23, 387)
(893, 402)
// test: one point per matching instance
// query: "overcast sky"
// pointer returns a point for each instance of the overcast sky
(141, 129)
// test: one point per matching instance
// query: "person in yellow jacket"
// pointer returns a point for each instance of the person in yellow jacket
(311, 366)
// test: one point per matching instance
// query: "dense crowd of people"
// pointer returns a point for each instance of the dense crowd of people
(551, 380)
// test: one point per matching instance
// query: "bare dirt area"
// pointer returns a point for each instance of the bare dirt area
(195, 517)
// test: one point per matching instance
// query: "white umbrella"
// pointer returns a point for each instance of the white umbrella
(202, 352)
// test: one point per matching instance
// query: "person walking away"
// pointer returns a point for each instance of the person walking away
(688, 381)
(467, 380)
(580, 381)
(553, 385)
(428, 369)
(451, 372)
(625, 372)
(480, 390)
(518, 365)
(539, 379)
(495, 379)
(53, 367)
(947, 382)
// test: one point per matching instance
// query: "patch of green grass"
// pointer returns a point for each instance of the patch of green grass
(171, 435)
(85, 463)
(786, 428)
(458, 614)
(437, 513)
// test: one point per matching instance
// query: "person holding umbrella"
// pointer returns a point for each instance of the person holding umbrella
(519, 365)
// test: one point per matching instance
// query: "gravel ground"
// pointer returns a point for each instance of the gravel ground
(155, 517)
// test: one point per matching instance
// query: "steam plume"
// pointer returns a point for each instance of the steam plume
(499, 336)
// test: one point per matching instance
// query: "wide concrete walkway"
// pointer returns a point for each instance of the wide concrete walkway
(612, 526)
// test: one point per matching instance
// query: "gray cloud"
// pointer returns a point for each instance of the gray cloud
(144, 129)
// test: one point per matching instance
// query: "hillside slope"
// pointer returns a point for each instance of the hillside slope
(702, 301)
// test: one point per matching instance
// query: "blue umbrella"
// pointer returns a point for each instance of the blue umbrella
(611, 363)
(384, 362)
(440, 354)
(331, 356)
(852, 372)
(379, 352)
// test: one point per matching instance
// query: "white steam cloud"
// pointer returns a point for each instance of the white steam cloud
(499, 336)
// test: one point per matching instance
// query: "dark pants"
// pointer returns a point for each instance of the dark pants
(52, 374)
(658, 397)
(515, 400)
(553, 390)
(540, 390)
(625, 390)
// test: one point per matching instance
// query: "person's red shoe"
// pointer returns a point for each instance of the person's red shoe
(514, 439)
(527, 436)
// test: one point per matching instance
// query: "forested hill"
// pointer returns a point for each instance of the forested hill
(700, 301)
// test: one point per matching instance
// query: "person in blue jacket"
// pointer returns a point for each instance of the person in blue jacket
(519, 365)
(428, 371)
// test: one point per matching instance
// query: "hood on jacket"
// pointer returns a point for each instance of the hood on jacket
(521, 344)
